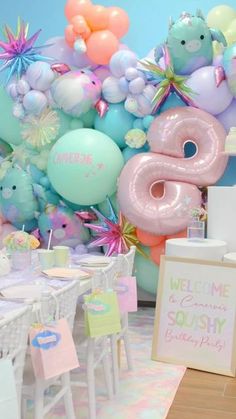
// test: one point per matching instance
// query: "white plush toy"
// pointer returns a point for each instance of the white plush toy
(5, 266)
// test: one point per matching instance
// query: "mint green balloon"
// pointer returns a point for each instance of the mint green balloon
(146, 272)
(84, 165)
(104, 207)
(65, 122)
(10, 129)
(89, 118)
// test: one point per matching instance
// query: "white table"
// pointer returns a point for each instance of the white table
(7, 306)
(206, 249)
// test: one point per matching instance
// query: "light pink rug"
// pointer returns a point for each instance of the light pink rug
(145, 393)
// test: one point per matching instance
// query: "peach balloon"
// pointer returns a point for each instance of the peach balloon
(98, 18)
(148, 239)
(101, 45)
(118, 21)
(77, 7)
(70, 36)
(157, 251)
(80, 26)
(179, 235)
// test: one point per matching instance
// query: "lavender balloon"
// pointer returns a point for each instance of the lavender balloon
(22, 87)
(35, 102)
(228, 117)
(62, 53)
(111, 90)
(58, 49)
(40, 76)
(121, 61)
(207, 95)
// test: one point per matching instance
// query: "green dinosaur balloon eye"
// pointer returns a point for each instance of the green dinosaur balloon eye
(183, 42)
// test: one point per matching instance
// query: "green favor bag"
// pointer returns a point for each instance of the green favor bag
(102, 315)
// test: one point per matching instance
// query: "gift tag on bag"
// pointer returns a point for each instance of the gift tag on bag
(8, 394)
(102, 315)
(126, 289)
(52, 349)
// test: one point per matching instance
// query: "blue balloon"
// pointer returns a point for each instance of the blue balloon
(229, 176)
(116, 123)
(130, 152)
(147, 120)
(138, 123)
(173, 101)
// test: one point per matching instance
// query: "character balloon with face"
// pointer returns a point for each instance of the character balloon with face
(66, 225)
(190, 43)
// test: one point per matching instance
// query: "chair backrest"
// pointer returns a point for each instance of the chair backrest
(13, 342)
(105, 278)
(62, 303)
(126, 262)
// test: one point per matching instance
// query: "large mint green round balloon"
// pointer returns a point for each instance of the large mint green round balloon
(115, 123)
(146, 272)
(10, 129)
(84, 165)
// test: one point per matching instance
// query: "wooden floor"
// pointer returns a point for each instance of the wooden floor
(204, 396)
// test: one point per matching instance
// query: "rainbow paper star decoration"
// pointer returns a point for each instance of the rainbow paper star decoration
(19, 52)
(167, 82)
(115, 233)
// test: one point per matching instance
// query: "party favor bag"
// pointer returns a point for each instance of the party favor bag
(52, 349)
(8, 394)
(126, 289)
(102, 316)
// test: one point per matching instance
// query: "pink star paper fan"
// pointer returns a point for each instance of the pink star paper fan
(18, 51)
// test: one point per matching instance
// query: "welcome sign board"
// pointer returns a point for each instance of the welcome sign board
(195, 315)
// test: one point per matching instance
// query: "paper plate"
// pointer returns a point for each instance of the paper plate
(66, 273)
(95, 261)
(24, 292)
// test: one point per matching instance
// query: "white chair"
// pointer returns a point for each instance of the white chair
(13, 343)
(126, 265)
(98, 349)
(64, 302)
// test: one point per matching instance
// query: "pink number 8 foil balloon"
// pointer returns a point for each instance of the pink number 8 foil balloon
(156, 190)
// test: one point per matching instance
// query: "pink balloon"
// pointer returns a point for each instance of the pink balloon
(156, 190)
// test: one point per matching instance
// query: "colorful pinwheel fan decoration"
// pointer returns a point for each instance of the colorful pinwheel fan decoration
(115, 233)
(167, 82)
(19, 52)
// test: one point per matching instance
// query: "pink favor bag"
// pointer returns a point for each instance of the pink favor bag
(52, 350)
(126, 289)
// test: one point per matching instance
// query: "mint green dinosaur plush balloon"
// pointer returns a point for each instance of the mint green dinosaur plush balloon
(18, 202)
(190, 43)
